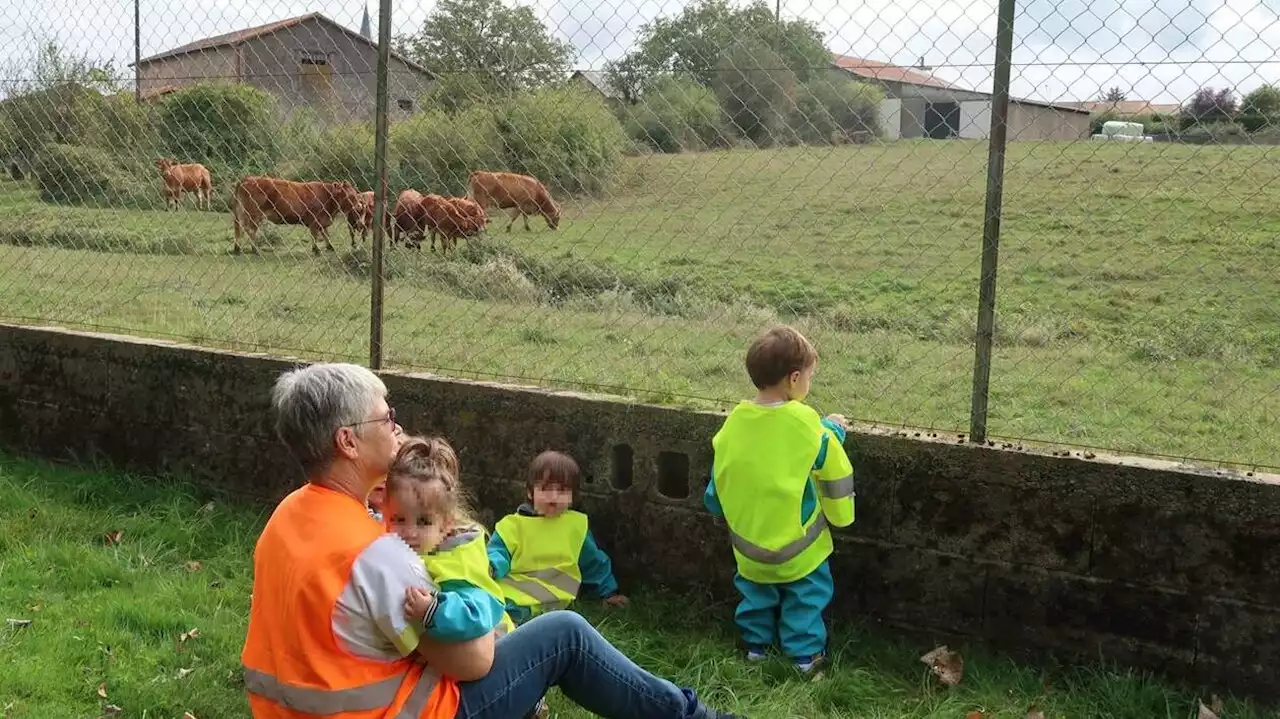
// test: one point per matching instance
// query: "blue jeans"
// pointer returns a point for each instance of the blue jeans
(562, 649)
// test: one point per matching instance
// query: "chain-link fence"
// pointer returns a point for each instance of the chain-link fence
(692, 172)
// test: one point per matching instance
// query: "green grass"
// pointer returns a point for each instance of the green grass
(114, 614)
(1137, 307)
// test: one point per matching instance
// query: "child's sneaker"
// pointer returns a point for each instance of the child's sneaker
(756, 654)
(540, 710)
(808, 664)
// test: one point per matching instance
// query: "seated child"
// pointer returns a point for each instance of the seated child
(425, 509)
(544, 552)
(780, 476)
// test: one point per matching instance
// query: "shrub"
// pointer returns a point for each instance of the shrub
(756, 91)
(66, 114)
(566, 137)
(677, 115)
(126, 128)
(343, 152)
(93, 176)
(836, 111)
(435, 152)
(221, 125)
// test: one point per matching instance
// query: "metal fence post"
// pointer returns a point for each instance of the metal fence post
(380, 190)
(991, 223)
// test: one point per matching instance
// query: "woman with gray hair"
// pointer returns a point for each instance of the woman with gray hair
(327, 632)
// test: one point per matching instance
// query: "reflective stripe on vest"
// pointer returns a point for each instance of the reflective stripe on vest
(787, 552)
(336, 701)
(420, 696)
(837, 489)
(544, 596)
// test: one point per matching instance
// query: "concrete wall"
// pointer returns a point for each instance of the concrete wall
(1138, 562)
(891, 118)
(189, 69)
(272, 62)
(975, 119)
(1036, 122)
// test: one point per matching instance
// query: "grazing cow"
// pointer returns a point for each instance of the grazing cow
(521, 194)
(361, 218)
(451, 218)
(285, 202)
(192, 177)
(407, 219)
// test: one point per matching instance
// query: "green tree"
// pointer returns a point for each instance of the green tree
(756, 91)
(1263, 102)
(692, 43)
(506, 48)
(51, 66)
(1114, 95)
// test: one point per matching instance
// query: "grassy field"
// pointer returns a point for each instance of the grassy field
(154, 618)
(1137, 306)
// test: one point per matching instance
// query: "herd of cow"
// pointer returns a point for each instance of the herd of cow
(316, 204)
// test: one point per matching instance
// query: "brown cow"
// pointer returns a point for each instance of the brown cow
(361, 218)
(451, 218)
(285, 202)
(406, 219)
(522, 194)
(193, 177)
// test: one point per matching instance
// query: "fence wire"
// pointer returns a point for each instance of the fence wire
(710, 168)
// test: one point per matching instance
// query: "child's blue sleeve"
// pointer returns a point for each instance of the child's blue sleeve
(711, 500)
(835, 428)
(499, 556)
(464, 611)
(597, 570)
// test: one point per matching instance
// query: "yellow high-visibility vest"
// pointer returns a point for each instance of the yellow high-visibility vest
(764, 461)
(463, 556)
(544, 559)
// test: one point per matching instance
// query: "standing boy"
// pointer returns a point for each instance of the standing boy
(779, 478)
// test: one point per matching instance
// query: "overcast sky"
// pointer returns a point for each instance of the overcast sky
(1160, 50)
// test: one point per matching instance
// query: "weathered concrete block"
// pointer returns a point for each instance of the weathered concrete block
(993, 505)
(1219, 535)
(1239, 646)
(1091, 617)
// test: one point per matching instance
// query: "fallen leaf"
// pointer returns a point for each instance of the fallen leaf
(1035, 714)
(188, 715)
(183, 672)
(111, 710)
(947, 665)
(102, 690)
(975, 714)
(36, 607)
(1206, 712)
(113, 538)
(189, 634)
(194, 566)
(18, 623)
(207, 508)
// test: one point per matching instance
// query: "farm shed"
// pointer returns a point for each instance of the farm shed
(918, 104)
(306, 61)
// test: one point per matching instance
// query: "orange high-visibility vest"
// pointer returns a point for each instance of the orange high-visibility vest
(294, 666)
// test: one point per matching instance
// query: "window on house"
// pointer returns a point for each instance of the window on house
(406, 105)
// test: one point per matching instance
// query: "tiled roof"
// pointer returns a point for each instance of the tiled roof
(240, 36)
(884, 72)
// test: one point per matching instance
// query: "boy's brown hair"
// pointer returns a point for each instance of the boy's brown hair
(427, 467)
(776, 353)
(552, 469)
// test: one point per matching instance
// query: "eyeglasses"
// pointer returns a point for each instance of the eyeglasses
(390, 418)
